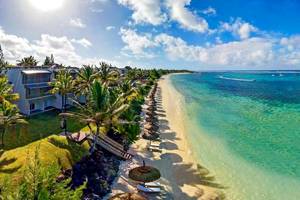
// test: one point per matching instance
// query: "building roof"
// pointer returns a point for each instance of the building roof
(36, 71)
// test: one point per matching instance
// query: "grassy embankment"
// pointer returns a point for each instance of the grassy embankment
(42, 130)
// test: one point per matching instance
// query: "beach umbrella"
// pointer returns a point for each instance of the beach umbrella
(152, 124)
(151, 101)
(127, 196)
(150, 113)
(151, 127)
(150, 135)
(151, 119)
(150, 108)
(151, 104)
(144, 174)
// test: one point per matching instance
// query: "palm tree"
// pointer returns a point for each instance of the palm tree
(9, 116)
(6, 91)
(49, 60)
(63, 85)
(3, 63)
(107, 74)
(127, 89)
(101, 110)
(85, 78)
(27, 62)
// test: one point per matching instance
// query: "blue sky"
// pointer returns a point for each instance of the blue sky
(194, 34)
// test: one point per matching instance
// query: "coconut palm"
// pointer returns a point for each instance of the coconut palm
(85, 78)
(9, 116)
(63, 85)
(49, 60)
(6, 90)
(101, 110)
(27, 62)
(107, 74)
(127, 89)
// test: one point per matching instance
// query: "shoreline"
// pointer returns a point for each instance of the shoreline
(181, 177)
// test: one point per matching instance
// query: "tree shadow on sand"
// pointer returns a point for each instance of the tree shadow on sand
(182, 174)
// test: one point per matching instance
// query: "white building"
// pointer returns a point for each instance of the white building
(32, 84)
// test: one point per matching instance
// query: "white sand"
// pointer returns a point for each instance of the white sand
(180, 178)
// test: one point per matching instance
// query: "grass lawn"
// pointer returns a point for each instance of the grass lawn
(42, 130)
(39, 126)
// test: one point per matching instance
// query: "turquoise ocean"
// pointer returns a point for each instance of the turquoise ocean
(244, 127)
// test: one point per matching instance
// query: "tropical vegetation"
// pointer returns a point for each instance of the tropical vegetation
(27, 62)
(107, 102)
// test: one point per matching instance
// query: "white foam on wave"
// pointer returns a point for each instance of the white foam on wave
(237, 79)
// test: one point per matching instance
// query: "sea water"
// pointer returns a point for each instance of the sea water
(244, 127)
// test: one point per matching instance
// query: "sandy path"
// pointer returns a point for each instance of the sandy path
(180, 177)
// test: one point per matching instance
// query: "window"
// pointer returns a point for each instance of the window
(32, 106)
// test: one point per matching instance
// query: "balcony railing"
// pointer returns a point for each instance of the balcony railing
(36, 93)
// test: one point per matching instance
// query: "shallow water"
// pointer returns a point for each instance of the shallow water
(245, 128)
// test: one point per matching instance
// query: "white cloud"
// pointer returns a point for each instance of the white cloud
(145, 11)
(136, 43)
(109, 28)
(16, 47)
(248, 53)
(100, 1)
(290, 50)
(96, 10)
(83, 41)
(186, 18)
(292, 43)
(254, 51)
(239, 28)
(77, 22)
(209, 11)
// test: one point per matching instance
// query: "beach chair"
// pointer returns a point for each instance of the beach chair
(153, 184)
(154, 149)
(154, 145)
(148, 189)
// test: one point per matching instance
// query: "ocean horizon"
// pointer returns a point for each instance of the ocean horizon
(243, 127)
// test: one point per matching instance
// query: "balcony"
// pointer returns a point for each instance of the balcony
(36, 76)
(32, 93)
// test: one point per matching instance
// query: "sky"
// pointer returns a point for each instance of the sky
(177, 34)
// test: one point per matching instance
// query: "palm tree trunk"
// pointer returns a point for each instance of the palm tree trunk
(2, 138)
(63, 105)
(93, 148)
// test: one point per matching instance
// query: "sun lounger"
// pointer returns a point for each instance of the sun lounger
(148, 189)
(153, 184)
(155, 145)
(154, 149)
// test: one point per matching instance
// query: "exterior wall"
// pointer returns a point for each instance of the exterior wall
(15, 78)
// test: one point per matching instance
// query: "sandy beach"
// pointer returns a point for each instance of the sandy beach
(181, 177)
